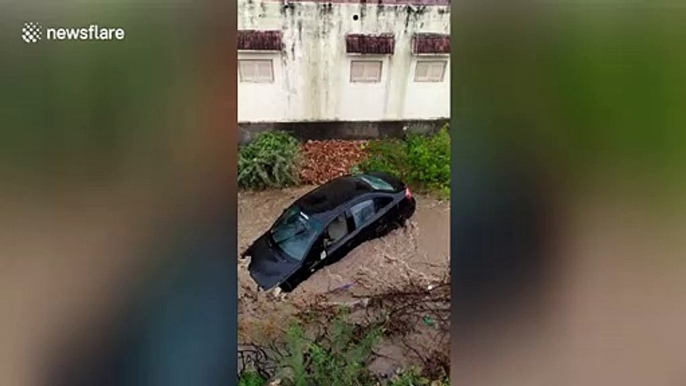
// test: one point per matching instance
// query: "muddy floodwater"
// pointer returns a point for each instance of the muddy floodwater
(420, 252)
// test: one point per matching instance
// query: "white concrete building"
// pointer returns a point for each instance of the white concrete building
(343, 61)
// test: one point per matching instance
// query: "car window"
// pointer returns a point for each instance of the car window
(336, 230)
(362, 212)
(294, 231)
(376, 183)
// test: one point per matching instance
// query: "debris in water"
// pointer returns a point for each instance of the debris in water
(429, 321)
(352, 304)
(341, 288)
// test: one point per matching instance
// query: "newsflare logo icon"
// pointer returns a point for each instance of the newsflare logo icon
(32, 32)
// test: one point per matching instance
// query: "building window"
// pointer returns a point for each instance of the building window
(365, 71)
(430, 70)
(256, 71)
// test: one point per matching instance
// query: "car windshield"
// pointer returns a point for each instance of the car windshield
(294, 231)
(376, 183)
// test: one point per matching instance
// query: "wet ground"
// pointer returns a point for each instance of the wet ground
(420, 253)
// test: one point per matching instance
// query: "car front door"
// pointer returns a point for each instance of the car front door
(315, 255)
(349, 229)
(336, 236)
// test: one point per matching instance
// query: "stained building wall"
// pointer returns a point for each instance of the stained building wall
(312, 71)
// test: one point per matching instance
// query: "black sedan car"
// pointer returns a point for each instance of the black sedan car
(325, 224)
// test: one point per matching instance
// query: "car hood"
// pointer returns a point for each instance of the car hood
(267, 266)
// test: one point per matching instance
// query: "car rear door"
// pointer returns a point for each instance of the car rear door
(360, 219)
(368, 214)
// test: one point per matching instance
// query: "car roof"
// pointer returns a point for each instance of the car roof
(332, 195)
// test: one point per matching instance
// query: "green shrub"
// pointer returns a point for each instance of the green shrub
(444, 193)
(270, 161)
(335, 354)
(297, 345)
(387, 155)
(429, 159)
(409, 377)
(250, 378)
(420, 160)
(337, 359)
(412, 377)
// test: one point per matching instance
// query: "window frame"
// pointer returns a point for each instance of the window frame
(429, 63)
(372, 180)
(365, 221)
(349, 230)
(313, 224)
(256, 79)
(376, 204)
(364, 79)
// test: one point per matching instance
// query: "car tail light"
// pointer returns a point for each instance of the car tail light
(408, 193)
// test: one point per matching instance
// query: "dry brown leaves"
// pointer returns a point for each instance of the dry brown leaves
(325, 160)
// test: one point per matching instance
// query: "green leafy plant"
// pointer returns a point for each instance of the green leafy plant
(297, 345)
(413, 377)
(338, 358)
(386, 155)
(250, 378)
(429, 159)
(355, 170)
(336, 353)
(409, 377)
(270, 161)
(420, 160)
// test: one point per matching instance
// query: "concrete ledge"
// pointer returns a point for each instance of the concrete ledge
(339, 129)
